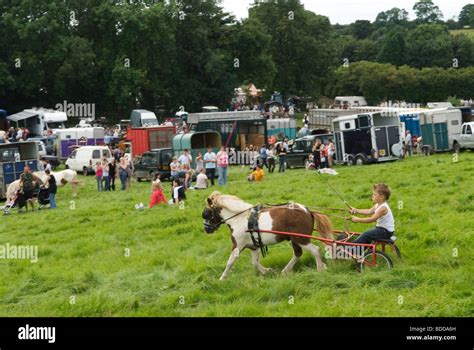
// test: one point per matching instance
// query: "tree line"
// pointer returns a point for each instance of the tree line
(163, 54)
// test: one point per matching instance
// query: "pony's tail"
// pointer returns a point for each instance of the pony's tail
(324, 225)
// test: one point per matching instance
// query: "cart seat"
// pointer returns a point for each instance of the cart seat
(387, 241)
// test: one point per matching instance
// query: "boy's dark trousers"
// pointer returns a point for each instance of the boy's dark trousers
(373, 235)
(211, 174)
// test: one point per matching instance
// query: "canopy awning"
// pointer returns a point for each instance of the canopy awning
(21, 116)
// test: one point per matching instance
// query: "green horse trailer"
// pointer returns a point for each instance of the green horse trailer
(237, 129)
(195, 142)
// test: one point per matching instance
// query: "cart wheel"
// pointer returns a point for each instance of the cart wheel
(383, 261)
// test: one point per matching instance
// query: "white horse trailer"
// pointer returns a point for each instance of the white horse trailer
(367, 138)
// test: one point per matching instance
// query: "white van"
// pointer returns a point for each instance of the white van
(84, 159)
(345, 102)
(142, 118)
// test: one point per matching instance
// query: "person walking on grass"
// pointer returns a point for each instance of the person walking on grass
(130, 171)
(52, 187)
(282, 151)
(99, 172)
(271, 159)
(28, 183)
(408, 144)
(185, 159)
(264, 156)
(210, 161)
(106, 175)
(199, 162)
(331, 152)
(123, 173)
(112, 174)
(222, 166)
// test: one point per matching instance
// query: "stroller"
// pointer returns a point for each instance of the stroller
(18, 201)
(43, 197)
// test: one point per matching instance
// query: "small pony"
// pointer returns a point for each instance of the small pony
(294, 218)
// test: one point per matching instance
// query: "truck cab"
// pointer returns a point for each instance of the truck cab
(154, 162)
(466, 139)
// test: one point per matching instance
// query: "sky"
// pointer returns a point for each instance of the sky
(348, 11)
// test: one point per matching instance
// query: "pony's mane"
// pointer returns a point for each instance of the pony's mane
(232, 203)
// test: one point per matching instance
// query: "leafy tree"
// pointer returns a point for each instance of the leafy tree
(429, 45)
(392, 47)
(302, 47)
(361, 29)
(466, 17)
(427, 12)
(251, 44)
(394, 16)
(463, 50)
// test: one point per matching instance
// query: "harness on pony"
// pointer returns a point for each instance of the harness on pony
(253, 216)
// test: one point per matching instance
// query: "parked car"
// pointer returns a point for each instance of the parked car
(299, 153)
(154, 162)
(466, 140)
(85, 158)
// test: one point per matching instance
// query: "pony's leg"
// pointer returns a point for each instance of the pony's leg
(233, 256)
(297, 252)
(256, 262)
(314, 250)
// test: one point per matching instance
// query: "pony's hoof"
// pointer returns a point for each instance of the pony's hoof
(323, 267)
(222, 278)
(266, 271)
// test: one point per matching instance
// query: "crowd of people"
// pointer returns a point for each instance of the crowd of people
(17, 134)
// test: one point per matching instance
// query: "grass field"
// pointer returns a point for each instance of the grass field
(98, 256)
(468, 32)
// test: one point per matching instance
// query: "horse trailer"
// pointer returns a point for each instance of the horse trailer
(367, 138)
(13, 159)
(196, 142)
(68, 140)
(282, 128)
(237, 129)
(439, 128)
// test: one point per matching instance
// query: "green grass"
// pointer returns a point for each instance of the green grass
(174, 267)
(468, 32)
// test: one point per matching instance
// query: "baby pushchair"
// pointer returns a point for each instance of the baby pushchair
(18, 201)
(43, 197)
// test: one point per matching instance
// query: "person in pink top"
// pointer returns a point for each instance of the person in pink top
(222, 166)
(99, 172)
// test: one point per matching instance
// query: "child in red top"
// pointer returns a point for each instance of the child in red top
(157, 196)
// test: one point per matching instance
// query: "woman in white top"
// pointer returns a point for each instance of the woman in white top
(202, 182)
(199, 162)
(380, 213)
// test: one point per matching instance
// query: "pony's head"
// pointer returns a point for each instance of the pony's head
(212, 214)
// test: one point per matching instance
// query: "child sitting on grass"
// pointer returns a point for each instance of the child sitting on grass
(380, 213)
(257, 174)
(157, 196)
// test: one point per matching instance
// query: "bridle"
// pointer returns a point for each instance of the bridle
(213, 226)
